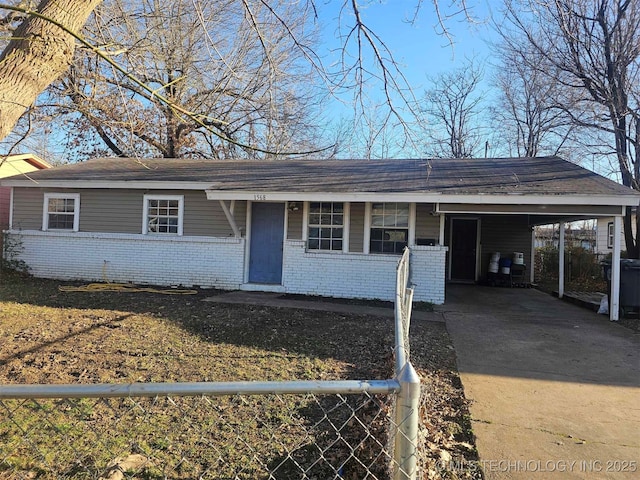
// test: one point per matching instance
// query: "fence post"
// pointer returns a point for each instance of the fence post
(407, 417)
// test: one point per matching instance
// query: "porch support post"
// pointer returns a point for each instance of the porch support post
(561, 262)
(441, 239)
(532, 260)
(230, 219)
(367, 228)
(411, 240)
(614, 301)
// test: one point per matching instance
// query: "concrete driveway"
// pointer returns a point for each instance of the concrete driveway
(555, 389)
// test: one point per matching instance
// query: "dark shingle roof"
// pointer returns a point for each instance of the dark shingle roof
(528, 176)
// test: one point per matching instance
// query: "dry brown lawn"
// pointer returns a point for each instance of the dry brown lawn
(49, 336)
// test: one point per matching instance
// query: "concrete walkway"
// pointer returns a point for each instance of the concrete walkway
(308, 303)
(555, 388)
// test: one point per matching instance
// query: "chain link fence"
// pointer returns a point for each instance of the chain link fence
(352, 429)
(275, 436)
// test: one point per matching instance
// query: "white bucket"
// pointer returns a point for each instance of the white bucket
(493, 267)
(505, 270)
(518, 258)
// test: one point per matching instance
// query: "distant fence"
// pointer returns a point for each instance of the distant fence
(351, 429)
(581, 267)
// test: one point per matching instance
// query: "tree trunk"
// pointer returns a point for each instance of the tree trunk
(38, 53)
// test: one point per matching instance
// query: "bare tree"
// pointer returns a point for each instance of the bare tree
(594, 47)
(235, 74)
(54, 24)
(452, 107)
(526, 115)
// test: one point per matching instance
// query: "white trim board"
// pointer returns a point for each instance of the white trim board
(430, 197)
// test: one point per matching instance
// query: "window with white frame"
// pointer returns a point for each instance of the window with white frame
(61, 212)
(389, 227)
(610, 235)
(326, 226)
(163, 214)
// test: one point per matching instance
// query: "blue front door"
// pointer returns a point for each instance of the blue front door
(267, 235)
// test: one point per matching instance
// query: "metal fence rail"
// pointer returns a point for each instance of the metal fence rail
(198, 388)
(351, 429)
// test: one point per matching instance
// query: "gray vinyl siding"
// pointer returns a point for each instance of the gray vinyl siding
(602, 236)
(356, 228)
(427, 225)
(205, 218)
(110, 211)
(120, 211)
(505, 234)
(27, 208)
(294, 224)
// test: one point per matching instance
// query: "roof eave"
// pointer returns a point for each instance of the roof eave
(429, 197)
(24, 181)
(631, 199)
(29, 158)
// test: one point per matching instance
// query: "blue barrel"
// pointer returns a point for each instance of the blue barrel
(505, 262)
(505, 266)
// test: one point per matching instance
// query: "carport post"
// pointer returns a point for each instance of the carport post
(532, 277)
(561, 261)
(614, 301)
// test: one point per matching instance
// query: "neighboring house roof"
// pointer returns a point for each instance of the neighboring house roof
(437, 178)
(11, 165)
(23, 163)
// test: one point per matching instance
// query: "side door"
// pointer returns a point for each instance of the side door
(464, 245)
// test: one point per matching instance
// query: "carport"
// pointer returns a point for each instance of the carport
(499, 215)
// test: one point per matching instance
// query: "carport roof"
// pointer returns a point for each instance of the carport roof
(291, 178)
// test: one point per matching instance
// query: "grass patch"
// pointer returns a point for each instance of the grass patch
(50, 336)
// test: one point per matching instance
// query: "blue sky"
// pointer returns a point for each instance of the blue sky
(424, 53)
(417, 47)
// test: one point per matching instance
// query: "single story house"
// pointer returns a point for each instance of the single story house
(549, 236)
(11, 165)
(604, 234)
(319, 227)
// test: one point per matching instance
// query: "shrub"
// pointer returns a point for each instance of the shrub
(583, 269)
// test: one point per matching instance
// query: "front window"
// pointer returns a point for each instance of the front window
(326, 226)
(389, 227)
(61, 211)
(163, 214)
(610, 235)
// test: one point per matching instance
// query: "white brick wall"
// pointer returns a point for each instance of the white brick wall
(427, 273)
(356, 275)
(219, 262)
(144, 259)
